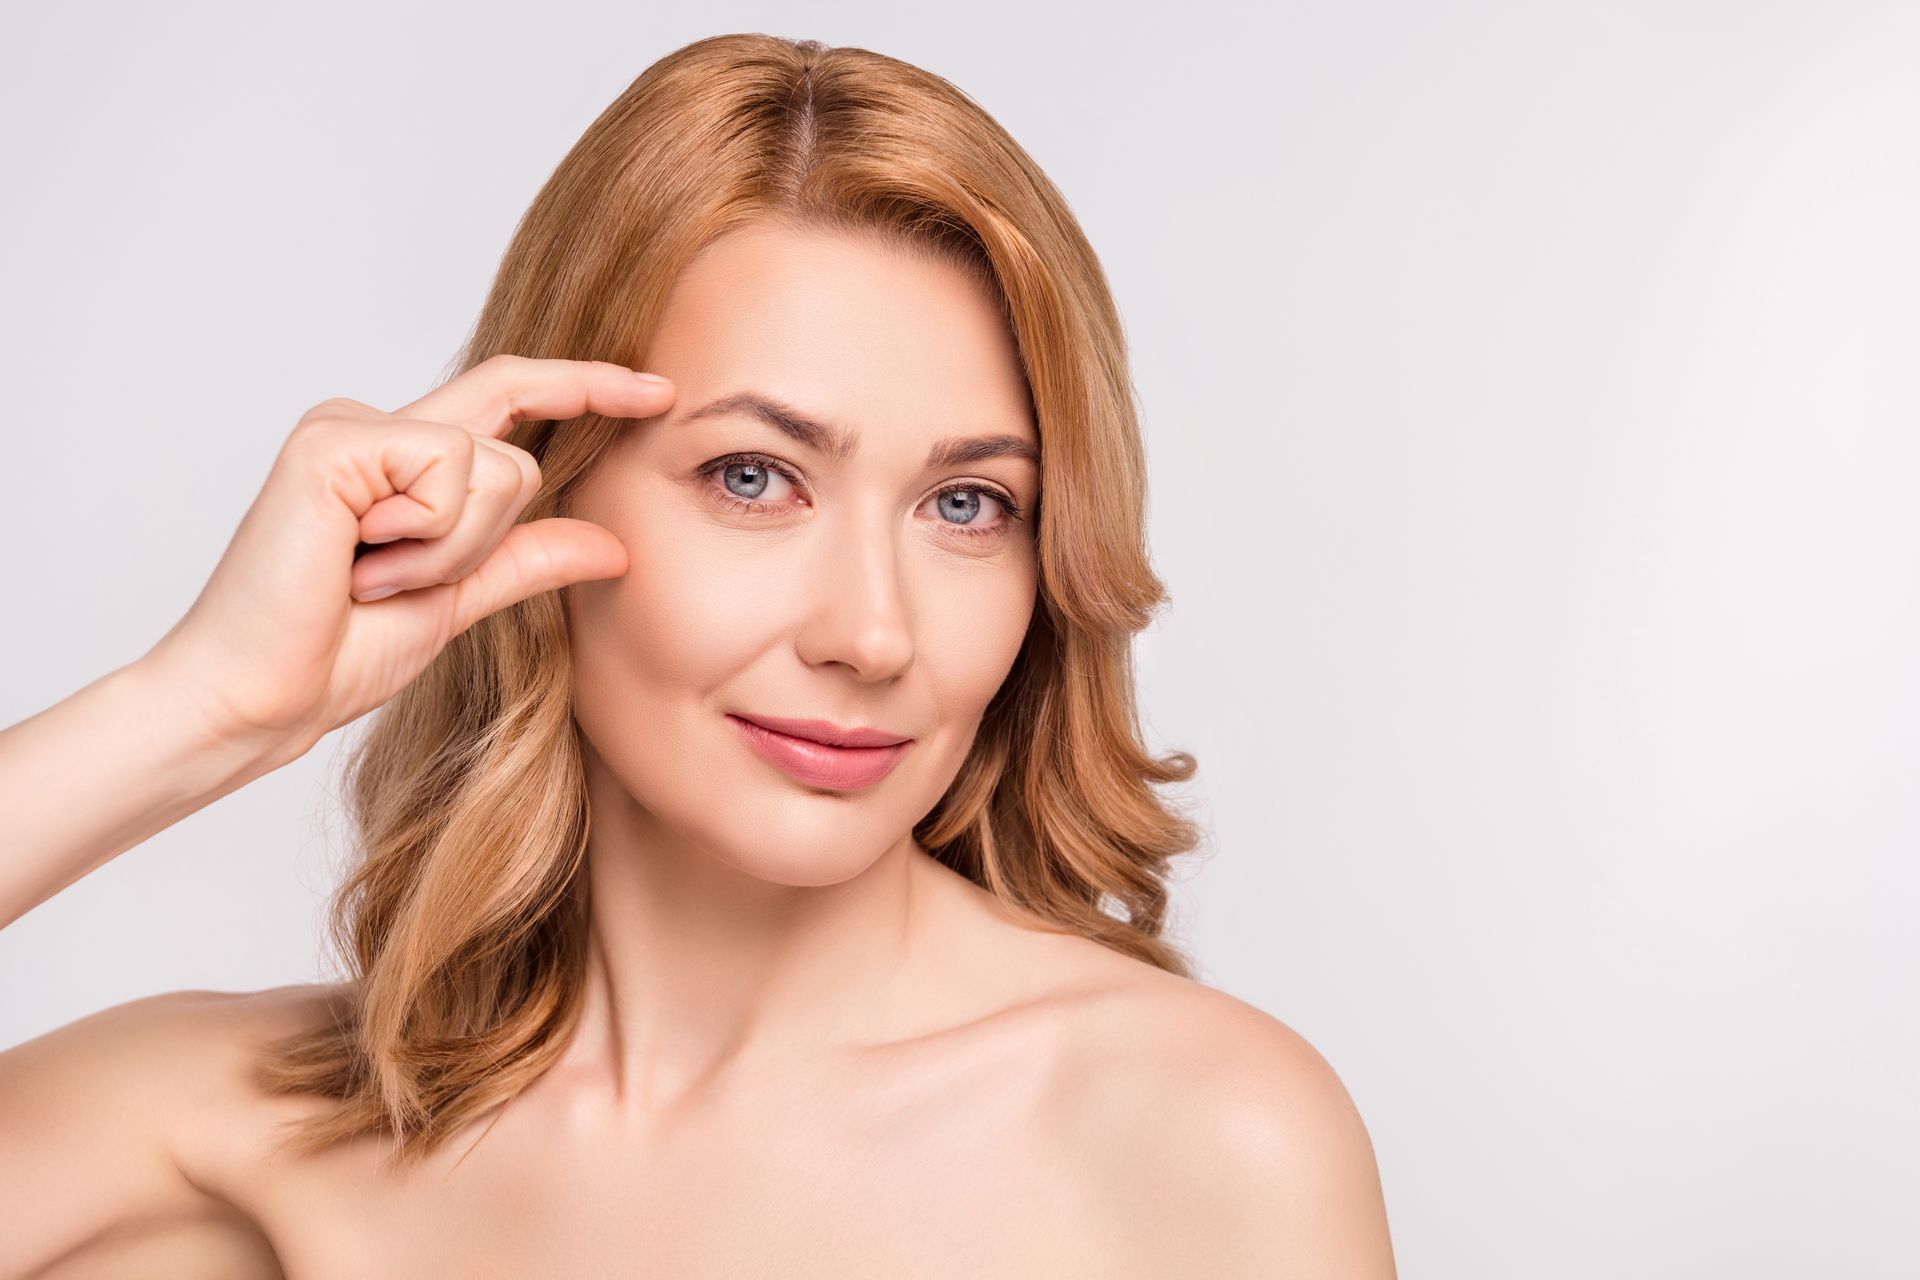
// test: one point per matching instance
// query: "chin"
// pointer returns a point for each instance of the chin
(799, 864)
(774, 829)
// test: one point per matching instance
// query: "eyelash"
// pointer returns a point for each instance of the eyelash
(1009, 508)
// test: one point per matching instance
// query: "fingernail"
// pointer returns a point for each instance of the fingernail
(648, 377)
(378, 593)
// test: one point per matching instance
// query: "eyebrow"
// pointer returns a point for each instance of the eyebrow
(840, 445)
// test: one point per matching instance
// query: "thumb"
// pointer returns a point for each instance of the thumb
(542, 555)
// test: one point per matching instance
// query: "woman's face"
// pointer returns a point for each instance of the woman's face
(773, 576)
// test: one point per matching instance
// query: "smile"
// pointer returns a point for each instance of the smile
(816, 763)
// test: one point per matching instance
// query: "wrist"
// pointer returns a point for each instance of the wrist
(210, 748)
(108, 766)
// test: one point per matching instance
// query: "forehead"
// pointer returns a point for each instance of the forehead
(853, 330)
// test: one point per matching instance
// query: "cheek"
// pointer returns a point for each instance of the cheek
(970, 622)
(656, 654)
(694, 607)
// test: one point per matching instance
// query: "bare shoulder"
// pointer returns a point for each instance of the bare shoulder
(180, 1061)
(113, 1127)
(177, 1053)
(217, 1038)
(1210, 1131)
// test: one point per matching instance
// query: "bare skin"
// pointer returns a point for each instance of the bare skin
(1103, 1119)
(807, 1047)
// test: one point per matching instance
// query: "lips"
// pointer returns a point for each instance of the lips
(828, 732)
(869, 757)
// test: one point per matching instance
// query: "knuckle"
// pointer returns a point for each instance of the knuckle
(335, 407)
(521, 457)
(444, 496)
(509, 469)
(309, 431)
(456, 441)
(312, 423)
(530, 477)
(330, 415)
(441, 524)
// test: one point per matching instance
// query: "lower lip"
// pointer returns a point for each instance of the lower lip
(816, 763)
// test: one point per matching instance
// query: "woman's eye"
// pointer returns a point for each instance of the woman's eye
(961, 507)
(750, 481)
(753, 483)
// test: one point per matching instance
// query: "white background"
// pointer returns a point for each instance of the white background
(1531, 401)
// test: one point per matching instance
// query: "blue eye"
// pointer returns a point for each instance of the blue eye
(752, 478)
(744, 477)
(968, 510)
(963, 502)
(743, 480)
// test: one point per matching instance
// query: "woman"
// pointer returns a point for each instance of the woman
(759, 871)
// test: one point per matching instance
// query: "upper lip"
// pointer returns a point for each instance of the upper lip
(825, 731)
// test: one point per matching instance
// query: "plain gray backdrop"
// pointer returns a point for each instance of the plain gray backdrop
(1531, 404)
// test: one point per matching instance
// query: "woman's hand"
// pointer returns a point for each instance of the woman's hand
(293, 637)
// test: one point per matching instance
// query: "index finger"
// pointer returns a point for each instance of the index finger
(504, 389)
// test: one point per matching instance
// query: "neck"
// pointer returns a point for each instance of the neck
(695, 966)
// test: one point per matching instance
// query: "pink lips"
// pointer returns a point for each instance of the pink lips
(868, 756)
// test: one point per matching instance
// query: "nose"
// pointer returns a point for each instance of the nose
(858, 615)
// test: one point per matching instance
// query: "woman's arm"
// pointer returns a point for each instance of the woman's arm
(104, 1124)
(97, 773)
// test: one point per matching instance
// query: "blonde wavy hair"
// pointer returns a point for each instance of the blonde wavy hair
(463, 921)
